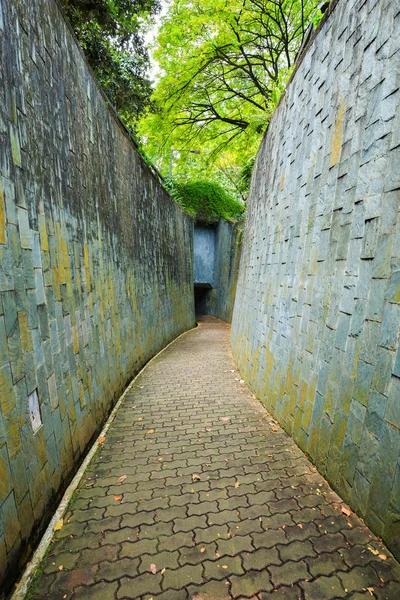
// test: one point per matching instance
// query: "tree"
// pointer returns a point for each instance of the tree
(224, 65)
(109, 32)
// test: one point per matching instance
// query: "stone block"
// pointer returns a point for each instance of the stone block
(3, 343)
(390, 326)
(392, 414)
(375, 413)
(363, 382)
(393, 290)
(25, 232)
(370, 239)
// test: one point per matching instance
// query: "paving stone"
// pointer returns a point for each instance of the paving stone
(326, 564)
(283, 593)
(211, 534)
(329, 542)
(296, 550)
(162, 560)
(289, 573)
(133, 549)
(269, 539)
(175, 541)
(65, 580)
(111, 571)
(210, 591)
(223, 517)
(197, 554)
(260, 559)
(65, 559)
(327, 588)
(202, 508)
(391, 591)
(157, 530)
(223, 568)
(250, 584)
(359, 579)
(182, 577)
(190, 523)
(92, 557)
(98, 591)
(234, 545)
(137, 587)
(245, 527)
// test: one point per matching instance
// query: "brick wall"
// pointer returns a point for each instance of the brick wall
(95, 266)
(316, 321)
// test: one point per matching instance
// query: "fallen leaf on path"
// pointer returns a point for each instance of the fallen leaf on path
(237, 484)
(275, 429)
(140, 419)
(150, 431)
(163, 571)
(101, 439)
(375, 552)
(383, 556)
(196, 477)
(58, 525)
(225, 418)
(370, 590)
(153, 568)
(60, 568)
(121, 479)
(116, 498)
(202, 550)
(346, 511)
(224, 566)
(300, 525)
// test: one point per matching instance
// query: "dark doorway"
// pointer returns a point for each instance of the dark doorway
(201, 293)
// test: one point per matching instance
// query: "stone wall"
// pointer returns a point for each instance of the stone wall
(219, 301)
(204, 254)
(96, 270)
(316, 322)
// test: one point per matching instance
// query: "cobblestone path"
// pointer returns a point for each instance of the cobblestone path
(216, 502)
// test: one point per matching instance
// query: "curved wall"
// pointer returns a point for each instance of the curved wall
(316, 322)
(96, 271)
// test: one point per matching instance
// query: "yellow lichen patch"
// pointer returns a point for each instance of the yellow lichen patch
(302, 394)
(282, 183)
(24, 331)
(75, 340)
(44, 240)
(56, 283)
(14, 445)
(3, 238)
(7, 397)
(337, 135)
(41, 448)
(86, 261)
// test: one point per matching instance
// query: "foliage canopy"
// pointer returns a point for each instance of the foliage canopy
(206, 201)
(224, 65)
(109, 32)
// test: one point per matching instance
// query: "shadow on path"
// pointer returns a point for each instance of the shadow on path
(198, 494)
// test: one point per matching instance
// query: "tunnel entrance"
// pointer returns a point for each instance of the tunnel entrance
(201, 294)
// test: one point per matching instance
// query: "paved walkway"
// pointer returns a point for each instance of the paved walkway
(198, 494)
